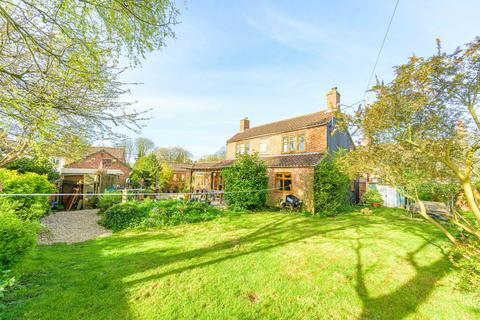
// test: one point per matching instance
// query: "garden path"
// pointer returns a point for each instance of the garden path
(71, 227)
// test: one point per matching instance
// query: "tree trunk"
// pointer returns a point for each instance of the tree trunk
(469, 194)
(423, 213)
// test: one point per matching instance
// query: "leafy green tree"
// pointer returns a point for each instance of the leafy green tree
(40, 166)
(146, 172)
(424, 127)
(59, 68)
(331, 187)
(246, 183)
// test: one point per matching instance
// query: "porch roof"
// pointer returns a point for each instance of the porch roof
(300, 160)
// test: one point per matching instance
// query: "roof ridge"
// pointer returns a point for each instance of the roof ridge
(291, 118)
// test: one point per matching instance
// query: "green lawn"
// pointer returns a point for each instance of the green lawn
(252, 266)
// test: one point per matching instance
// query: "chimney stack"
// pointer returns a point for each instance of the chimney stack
(333, 99)
(244, 124)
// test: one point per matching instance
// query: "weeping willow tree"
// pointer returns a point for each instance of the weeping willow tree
(60, 66)
(424, 127)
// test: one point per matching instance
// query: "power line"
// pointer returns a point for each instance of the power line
(380, 51)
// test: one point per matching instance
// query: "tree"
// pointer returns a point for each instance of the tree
(40, 166)
(331, 187)
(143, 146)
(424, 127)
(246, 183)
(173, 155)
(59, 67)
(146, 172)
(217, 156)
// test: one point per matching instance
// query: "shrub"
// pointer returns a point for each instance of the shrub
(466, 257)
(39, 166)
(331, 187)
(17, 237)
(372, 196)
(125, 215)
(157, 214)
(106, 201)
(26, 207)
(245, 183)
(439, 192)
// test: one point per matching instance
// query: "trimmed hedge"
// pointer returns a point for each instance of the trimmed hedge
(157, 214)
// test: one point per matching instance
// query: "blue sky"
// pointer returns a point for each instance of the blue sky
(270, 60)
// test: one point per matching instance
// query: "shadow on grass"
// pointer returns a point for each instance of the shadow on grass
(94, 279)
(407, 298)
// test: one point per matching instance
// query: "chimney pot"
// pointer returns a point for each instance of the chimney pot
(333, 99)
(244, 124)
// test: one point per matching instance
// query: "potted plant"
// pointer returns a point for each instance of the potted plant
(372, 198)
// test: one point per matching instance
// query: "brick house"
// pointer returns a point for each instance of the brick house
(100, 169)
(290, 149)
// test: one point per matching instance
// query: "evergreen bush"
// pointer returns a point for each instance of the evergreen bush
(331, 187)
(246, 182)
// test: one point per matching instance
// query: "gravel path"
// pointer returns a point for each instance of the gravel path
(71, 227)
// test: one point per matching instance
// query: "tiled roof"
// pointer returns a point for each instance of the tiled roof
(118, 153)
(293, 160)
(180, 166)
(287, 125)
(299, 160)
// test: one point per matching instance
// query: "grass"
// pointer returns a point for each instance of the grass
(261, 265)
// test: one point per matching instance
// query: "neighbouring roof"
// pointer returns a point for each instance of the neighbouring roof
(299, 160)
(287, 125)
(117, 152)
(75, 171)
(180, 166)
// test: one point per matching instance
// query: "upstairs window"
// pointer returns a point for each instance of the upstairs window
(293, 144)
(106, 163)
(283, 182)
(263, 147)
(243, 148)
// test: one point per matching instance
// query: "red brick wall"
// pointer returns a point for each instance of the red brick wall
(302, 186)
(94, 161)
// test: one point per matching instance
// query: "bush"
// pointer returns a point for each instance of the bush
(331, 187)
(157, 214)
(439, 192)
(106, 201)
(17, 237)
(247, 174)
(372, 196)
(466, 257)
(39, 166)
(26, 207)
(125, 215)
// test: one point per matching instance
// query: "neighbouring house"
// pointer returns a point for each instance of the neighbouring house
(99, 170)
(180, 177)
(290, 148)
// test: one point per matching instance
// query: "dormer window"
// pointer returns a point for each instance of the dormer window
(294, 143)
(243, 148)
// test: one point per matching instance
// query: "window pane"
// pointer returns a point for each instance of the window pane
(247, 148)
(278, 184)
(263, 147)
(293, 143)
(285, 144)
(287, 185)
(301, 143)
